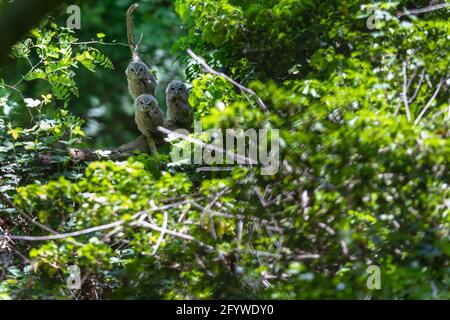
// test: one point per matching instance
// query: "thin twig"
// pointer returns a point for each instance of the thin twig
(411, 79)
(230, 154)
(213, 202)
(214, 213)
(31, 70)
(21, 95)
(405, 92)
(202, 62)
(9, 203)
(19, 253)
(101, 43)
(11, 245)
(202, 264)
(208, 209)
(327, 228)
(13, 88)
(112, 233)
(441, 82)
(261, 197)
(240, 229)
(308, 256)
(445, 112)
(173, 233)
(163, 232)
(259, 253)
(419, 85)
(212, 228)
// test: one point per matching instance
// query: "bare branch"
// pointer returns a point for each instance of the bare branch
(445, 112)
(116, 154)
(202, 264)
(9, 203)
(411, 79)
(208, 69)
(261, 198)
(70, 234)
(308, 256)
(174, 234)
(10, 245)
(98, 228)
(405, 92)
(163, 232)
(130, 31)
(441, 82)
(419, 85)
(327, 228)
(214, 213)
(207, 146)
(214, 201)
(423, 10)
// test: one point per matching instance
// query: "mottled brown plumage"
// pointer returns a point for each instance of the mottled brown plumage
(148, 117)
(140, 80)
(179, 112)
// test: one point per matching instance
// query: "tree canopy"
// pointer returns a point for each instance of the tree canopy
(359, 91)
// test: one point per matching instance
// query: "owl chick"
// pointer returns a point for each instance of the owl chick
(179, 113)
(148, 117)
(140, 80)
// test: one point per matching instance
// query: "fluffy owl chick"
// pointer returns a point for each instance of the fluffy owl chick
(179, 113)
(140, 80)
(148, 117)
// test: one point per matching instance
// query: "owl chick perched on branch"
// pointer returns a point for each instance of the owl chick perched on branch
(148, 117)
(179, 112)
(140, 80)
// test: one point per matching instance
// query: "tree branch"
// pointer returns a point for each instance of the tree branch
(163, 232)
(441, 82)
(7, 202)
(116, 154)
(130, 32)
(422, 10)
(97, 228)
(230, 154)
(405, 92)
(208, 69)
(419, 85)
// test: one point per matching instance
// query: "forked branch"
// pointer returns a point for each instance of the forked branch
(130, 32)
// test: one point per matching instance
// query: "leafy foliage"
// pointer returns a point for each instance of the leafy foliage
(363, 116)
